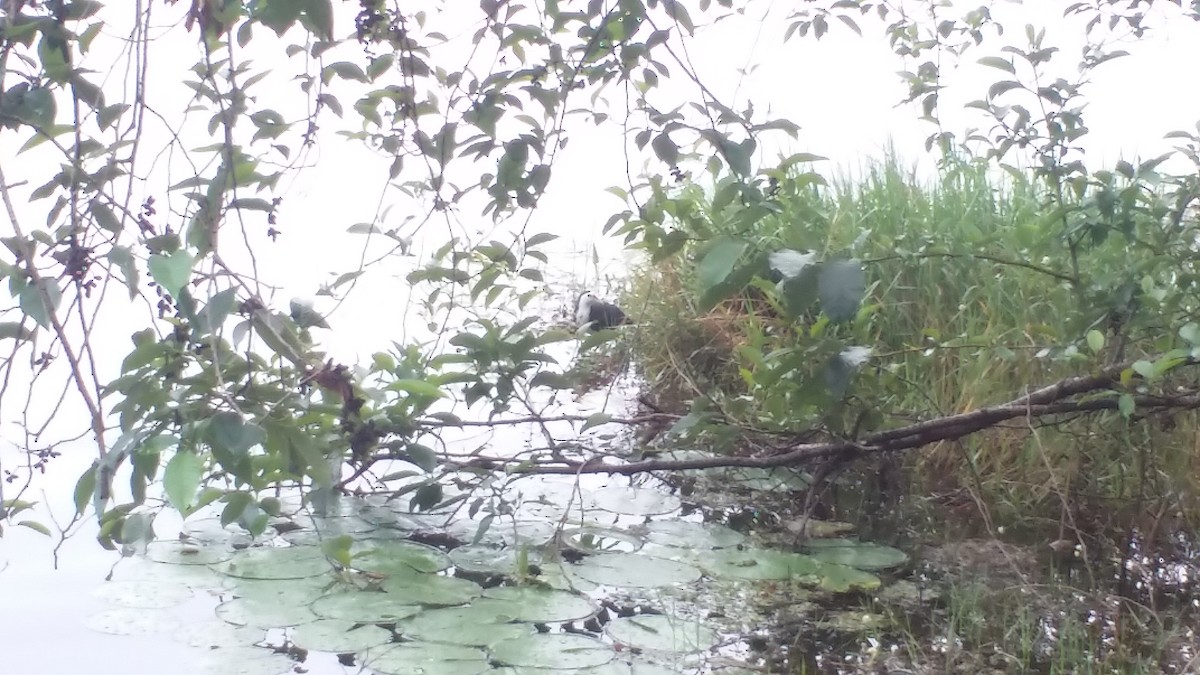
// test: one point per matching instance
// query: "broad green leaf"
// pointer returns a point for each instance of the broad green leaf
(595, 420)
(182, 478)
(717, 267)
(417, 387)
(171, 271)
(34, 301)
(105, 217)
(85, 487)
(122, 257)
(1095, 340)
(841, 285)
(423, 456)
(14, 330)
(998, 62)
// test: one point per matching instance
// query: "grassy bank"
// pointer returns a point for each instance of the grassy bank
(974, 297)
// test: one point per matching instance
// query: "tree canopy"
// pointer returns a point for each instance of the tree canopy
(133, 219)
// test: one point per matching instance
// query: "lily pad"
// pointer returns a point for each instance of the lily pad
(859, 554)
(471, 626)
(488, 559)
(264, 613)
(431, 589)
(843, 578)
(683, 534)
(245, 661)
(293, 592)
(635, 501)
(398, 557)
(545, 650)
(128, 621)
(292, 562)
(424, 658)
(536, 605)
(363, 607)
(663, 633)
(315, 530)
(214, 633)
(339, 637)
(758, 564)
(177, 552)
(593, 539)
(632, 570)
(144, 594)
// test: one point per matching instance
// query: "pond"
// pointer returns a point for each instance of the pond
(524, 574)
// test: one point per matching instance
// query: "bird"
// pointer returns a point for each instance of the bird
(595, 314)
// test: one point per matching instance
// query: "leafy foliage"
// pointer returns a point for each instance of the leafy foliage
(220, 396)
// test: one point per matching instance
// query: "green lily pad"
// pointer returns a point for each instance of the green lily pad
(363, 607)
(293, 592)
(635, 501)
(594, 539)
(858, 554)
(315, 530)
(245, 661)
(663, 633)
(683, 534)
(536, 605)
(212, 634)
(488, 559)
(339, 637)
(292, 562)
(398, 557)
(843, 578)
(144, 594)
(263, 613)
(758, 564)
(545, 650)
(632, 570)
(470, 626)
(424, 658)
(177, 552)
(128, 621)
(431, 589)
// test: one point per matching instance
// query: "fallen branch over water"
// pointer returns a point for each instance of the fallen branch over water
(1061, 398)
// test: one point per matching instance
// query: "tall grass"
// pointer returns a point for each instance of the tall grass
(969, 292)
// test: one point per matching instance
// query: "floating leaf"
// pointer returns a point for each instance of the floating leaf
(339, 637)
(534, 604)
(400, 557)
(633, 570)
(214, 633)
(470, 626)
(698, 536)
(431, 589)
(265, 614)
(245, 660)
(557, 651)
(422, 658)
(859, 554)
(144, 594)
(363, 607)
(660, 632)
(293, 562)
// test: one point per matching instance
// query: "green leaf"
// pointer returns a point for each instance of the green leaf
(278, 16)
(338, 549)
(33, 301)
(182, 478)
(841, 285)
(105, 217)
(716, 267)
(417, 387)
(85, 487)
(171, 271)
(12, 329)
(595, 420)
(232, 433)
(423, 456)
(1191, 333)
(665, 149)
(35, 526)
(123, 259)
(1126, 405)
(318, 17)
(1095, 340)
(998, 62)
(219, 307)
